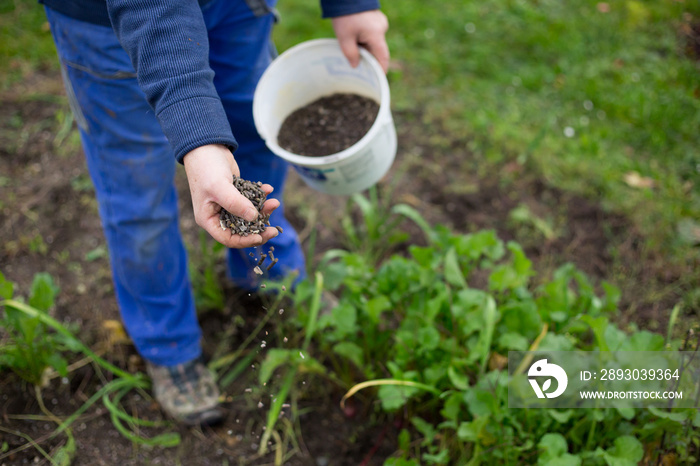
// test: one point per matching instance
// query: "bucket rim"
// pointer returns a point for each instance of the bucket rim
(383, 115)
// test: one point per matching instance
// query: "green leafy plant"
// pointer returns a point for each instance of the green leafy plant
(435, 346)
(28, 348)
(372, 229)
(36, 341)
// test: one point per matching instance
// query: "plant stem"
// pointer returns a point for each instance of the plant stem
(42, 406)
(30, 443)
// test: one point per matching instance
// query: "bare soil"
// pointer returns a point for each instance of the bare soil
(49, 222)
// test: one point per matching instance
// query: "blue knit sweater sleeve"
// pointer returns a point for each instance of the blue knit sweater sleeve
(168, 45)
(333, 8)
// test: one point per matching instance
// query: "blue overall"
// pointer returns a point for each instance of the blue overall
(133, 167)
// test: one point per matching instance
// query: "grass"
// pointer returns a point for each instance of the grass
(26, 44)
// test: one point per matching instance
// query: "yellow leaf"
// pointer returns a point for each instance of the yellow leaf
(115, 332)
(498, 362)
(635, 180)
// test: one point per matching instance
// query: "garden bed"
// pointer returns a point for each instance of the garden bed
(49, 214)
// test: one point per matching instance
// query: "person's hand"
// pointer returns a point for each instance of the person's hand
(210, 171)
(367, 29)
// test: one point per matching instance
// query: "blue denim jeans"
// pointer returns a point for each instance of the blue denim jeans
(133, 169)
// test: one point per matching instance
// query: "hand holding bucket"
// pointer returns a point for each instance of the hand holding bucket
(312, 70)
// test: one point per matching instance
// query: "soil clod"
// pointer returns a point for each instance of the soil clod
(328, 125)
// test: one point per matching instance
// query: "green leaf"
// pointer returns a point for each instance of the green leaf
(404, 441)
(599, 326)
(334, 274)
(483, 346)
(307, 363)
(482, 243)
(28, 327)
(676, 416)
(513, 275)
(502, 278)
(393, 397)
(452, 406)
(552, 445)
(64, 456)
(433, 374)
(351, 351)
(424, 256)
(566, 459)
(401, 462)
(614, 337)
(626, 451)
(480, 402)
(6, 288)
(428, 338)
(513, 341)
(626, 412)
(521, 317)
(470, 431)
(344, 319)
(274, 358)
(467, 300)
(439, 458)
(521, 263)
(412, 214)
(425, 428)
(643, 341)
(561, 416)
(458, 378)
(58, 362)
(98, 253)
(453, 274)
(611, 298)
(552, 342)
(376, 306)
(432, 308)
(43, 292)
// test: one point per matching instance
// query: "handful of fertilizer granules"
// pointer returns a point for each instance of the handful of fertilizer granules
(242, 227)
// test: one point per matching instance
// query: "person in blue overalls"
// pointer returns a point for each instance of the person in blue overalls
(153, 82)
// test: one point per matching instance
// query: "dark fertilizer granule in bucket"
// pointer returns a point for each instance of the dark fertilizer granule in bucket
(328, 125)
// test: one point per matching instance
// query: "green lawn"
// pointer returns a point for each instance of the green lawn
(25, 41)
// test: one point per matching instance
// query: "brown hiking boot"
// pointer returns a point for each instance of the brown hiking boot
(187, 392)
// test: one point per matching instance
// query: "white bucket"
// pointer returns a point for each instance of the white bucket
(312, 70)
